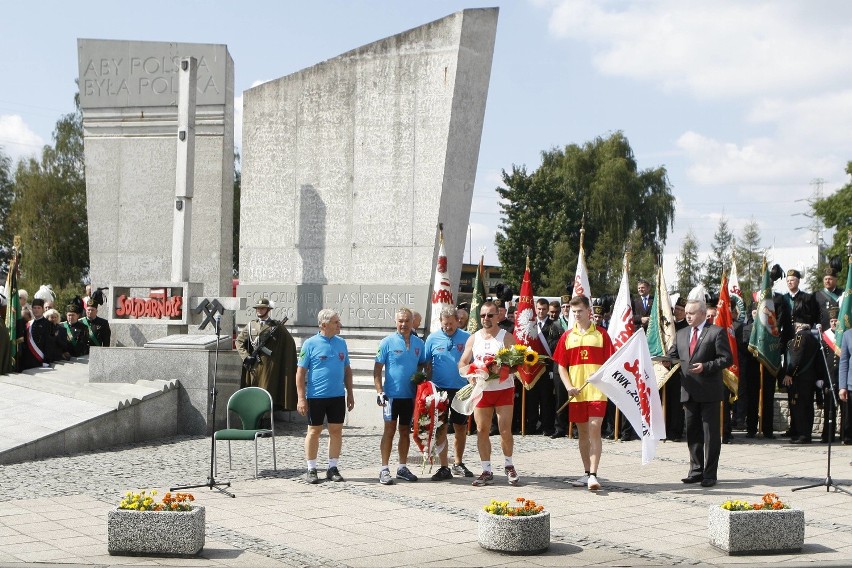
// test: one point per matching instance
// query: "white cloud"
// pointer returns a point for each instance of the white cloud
(721, 49)
(16, 138)
(824, 116)
(784, 161)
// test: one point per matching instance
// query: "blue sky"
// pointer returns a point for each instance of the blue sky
(744, 103)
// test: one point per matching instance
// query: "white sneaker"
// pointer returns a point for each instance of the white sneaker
(385, 477)
(593, 483)
(581, 482)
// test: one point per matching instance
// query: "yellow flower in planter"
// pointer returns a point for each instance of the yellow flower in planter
(525, 508)
(769, 501)
(145, 502)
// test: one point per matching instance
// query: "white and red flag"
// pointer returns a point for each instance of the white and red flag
(628, 380)
(442, 294)
(621, 326)
(734, 281)
(581, 280)
(528, 332)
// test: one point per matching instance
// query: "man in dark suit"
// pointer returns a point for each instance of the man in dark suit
(703, 352)
(642, 304)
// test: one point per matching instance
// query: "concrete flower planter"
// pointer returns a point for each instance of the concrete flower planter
(756, 532)
(169, 533)
(516, 535)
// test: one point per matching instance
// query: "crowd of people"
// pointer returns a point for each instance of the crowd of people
(43, 335)
(576, 343)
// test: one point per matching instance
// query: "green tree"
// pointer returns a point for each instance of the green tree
(560, 274)
(49, 209)
(597, 185)
(720, 259)
(749, 257)
(836, 212)
(688, 267)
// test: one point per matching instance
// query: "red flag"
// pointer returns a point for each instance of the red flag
(731, 375)
(528, 333)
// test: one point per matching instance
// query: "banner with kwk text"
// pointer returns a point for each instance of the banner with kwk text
(628, 380)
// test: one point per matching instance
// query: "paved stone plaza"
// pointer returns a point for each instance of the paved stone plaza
(54, 511)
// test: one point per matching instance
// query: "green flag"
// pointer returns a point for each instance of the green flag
(661, 329)
(765, 340)
(8, 352)
(475, 322)
(844, 316)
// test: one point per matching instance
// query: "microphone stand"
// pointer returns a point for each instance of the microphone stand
(211, 480)
(828, 482)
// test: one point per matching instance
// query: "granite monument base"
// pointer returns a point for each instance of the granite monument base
(190, 363)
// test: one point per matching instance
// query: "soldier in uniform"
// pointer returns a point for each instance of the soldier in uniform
(38, 348)
(803, 369)
(97, 328)
(830, 296)
(72, 336)
(269, 357)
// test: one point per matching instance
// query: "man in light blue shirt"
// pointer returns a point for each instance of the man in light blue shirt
(324, 386)
(444, 349)
(400, 354)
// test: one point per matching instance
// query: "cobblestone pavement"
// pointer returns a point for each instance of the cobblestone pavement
(54, 511)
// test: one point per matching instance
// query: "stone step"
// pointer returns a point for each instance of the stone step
(61, 381)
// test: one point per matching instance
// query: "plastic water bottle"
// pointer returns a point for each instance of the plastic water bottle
(386, 410)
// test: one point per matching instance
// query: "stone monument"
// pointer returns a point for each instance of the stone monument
(129, 99)
(349, 166)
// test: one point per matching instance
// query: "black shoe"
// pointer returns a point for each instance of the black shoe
(751, 434)
(847, 442)
(333, 474)
(769, 436)
(692, 479)
(708, 482)
(442, 474)
(801, 440)
(460, 470)
(548, 433)
(727, 439)
(556, 435)
(312, 477)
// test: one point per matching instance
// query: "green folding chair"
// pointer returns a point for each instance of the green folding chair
(250, 404)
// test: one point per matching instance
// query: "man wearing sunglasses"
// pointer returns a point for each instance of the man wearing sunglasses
(498, 396)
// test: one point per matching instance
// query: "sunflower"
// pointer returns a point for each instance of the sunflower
(520, 347)
(530, 357)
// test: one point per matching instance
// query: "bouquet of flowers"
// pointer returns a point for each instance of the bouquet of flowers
(500, 367)
(430, 415)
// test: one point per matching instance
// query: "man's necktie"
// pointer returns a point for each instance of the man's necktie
(694, 341)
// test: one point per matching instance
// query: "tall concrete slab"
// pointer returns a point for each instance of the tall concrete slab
(349, 166)
(128, 94)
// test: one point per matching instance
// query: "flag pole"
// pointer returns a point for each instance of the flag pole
(523, 390)
(570, 398)
(760, 401)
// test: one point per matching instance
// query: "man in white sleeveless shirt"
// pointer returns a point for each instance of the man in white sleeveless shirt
(498, 396)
